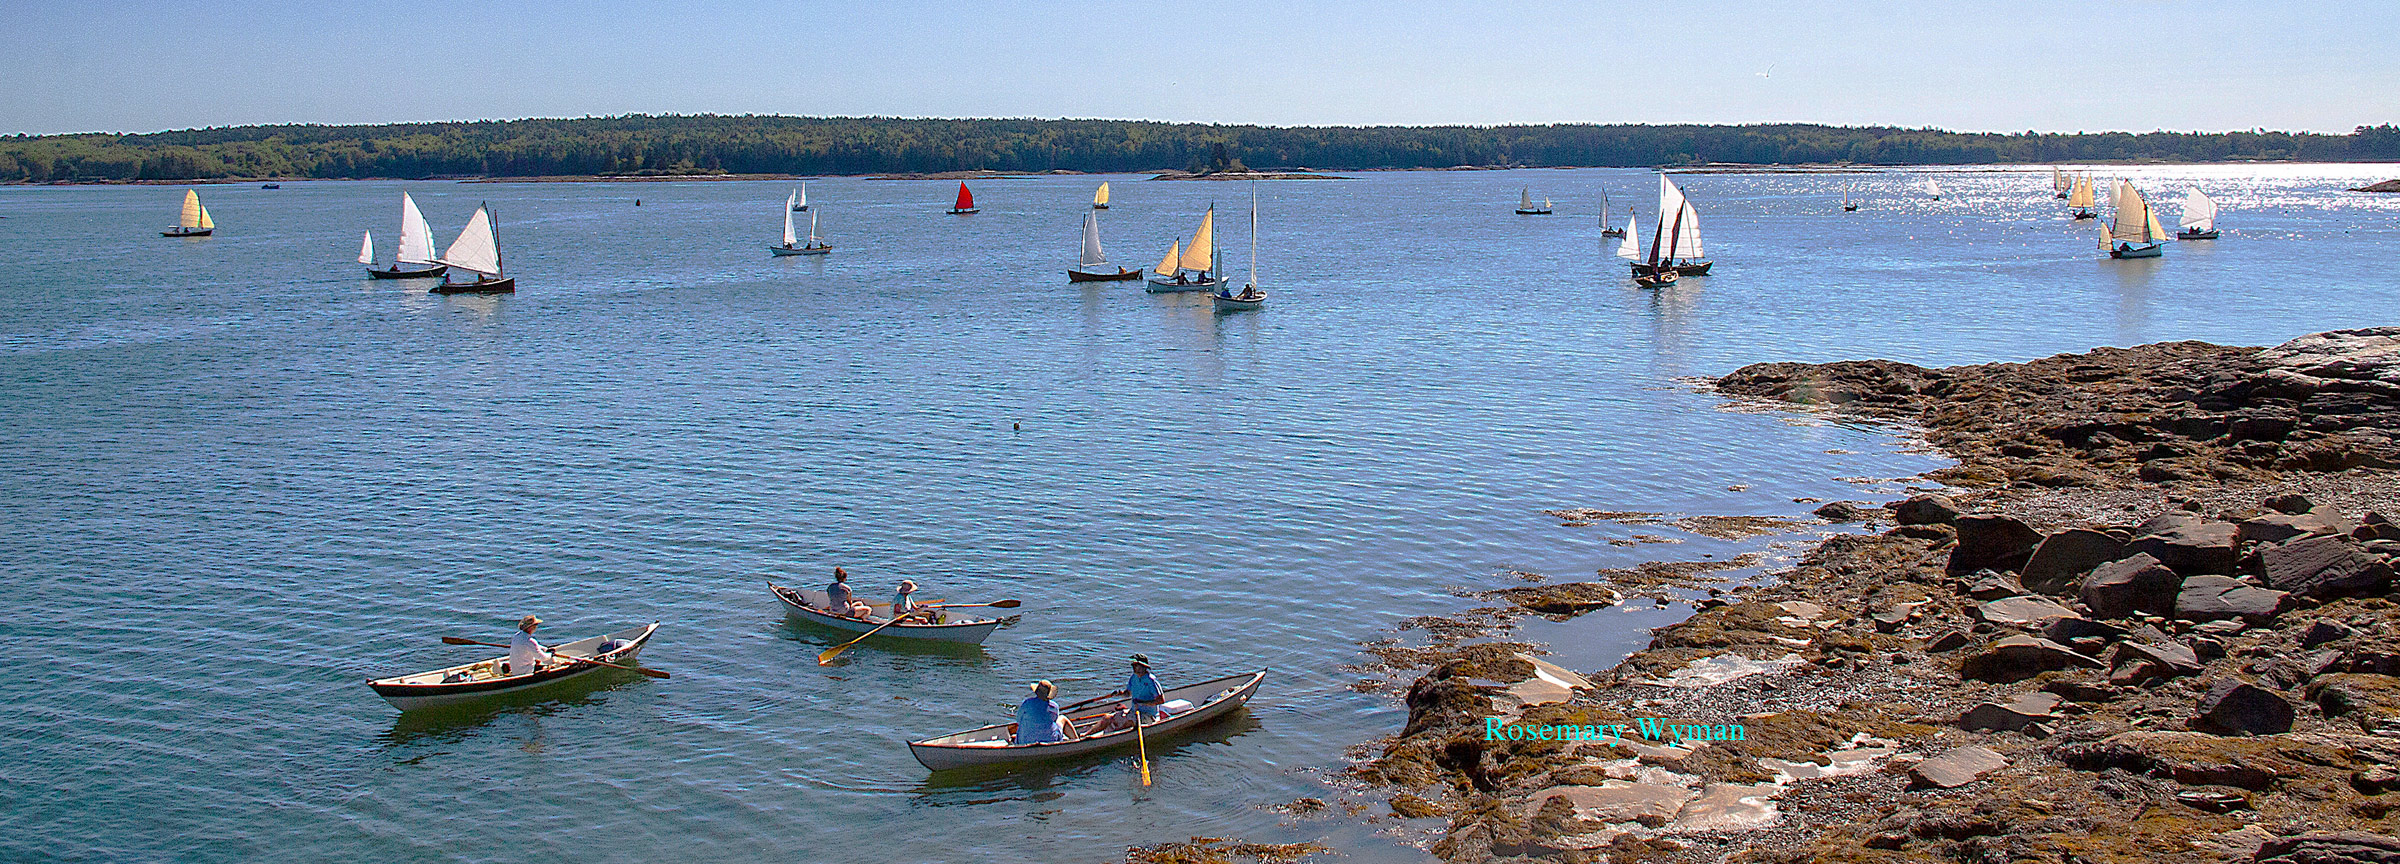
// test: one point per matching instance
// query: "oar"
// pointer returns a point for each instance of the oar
(826, 659)
(1109, 695)
(654, 673)
(1138, 743)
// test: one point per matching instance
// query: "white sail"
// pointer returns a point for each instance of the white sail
(366, 248)
(1676, 211)
(1525, 198)
(416, 237)
(812, 228)
(1253, 237)
(2059, 181)
(1932, 188)
(1631, 249)
(803, 202)
(789, 202)
(190, 217)
(476, 249)
(1092, 256)
(2199, 211)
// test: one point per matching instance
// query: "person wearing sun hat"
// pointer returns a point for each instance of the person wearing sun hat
(1039, 720)
(904, 604)
(525, 654)
(1141, 688)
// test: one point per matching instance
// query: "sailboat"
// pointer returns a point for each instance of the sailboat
(477, 251)
(1190, 271)
(2199, 217)
(2079, 197)
(416, 247)
(2059, 184)
(791, 243)
(1677, 244)
(1251, 296)
(1092, 257)
(1933, 189)
(2133, 231)
(1605, 230)
(1631, 250)
(1100, 198)
(1848, 206)
(966, 201)
(800, 201)
(1525, 204)
(193, 221)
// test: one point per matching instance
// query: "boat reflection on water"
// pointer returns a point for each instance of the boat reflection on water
(2133, 296)
(450, 723)
(820, 636)
(1044, 780)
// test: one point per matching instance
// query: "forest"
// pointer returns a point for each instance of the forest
(651, 145)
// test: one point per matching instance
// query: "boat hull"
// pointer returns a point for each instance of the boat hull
(1699, 269)
(788, 251)
(394, 272)
(1099, 206)
(2146, 250)
(2196, 235)
(187, 232)
(2081, 215)
(962, 211)
(1659, 279)
(989, 745)
(1533, 212)
(805, 605)
(479, 286)
(1612, 232)
(1121, 275)
(1238, 303)
(1156, 285)
(426, 689)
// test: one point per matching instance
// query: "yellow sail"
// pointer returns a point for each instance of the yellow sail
(206, 222)
(191, 210)
(2082, 195)
(1166, 266)
(1199, 255)
(2156, 233)
(1100, 198)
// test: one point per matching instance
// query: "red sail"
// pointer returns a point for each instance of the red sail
(966, 199)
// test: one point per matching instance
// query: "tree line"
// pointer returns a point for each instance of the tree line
(635, 145)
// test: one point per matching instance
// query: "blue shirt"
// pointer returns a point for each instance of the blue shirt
(1037, 721)
(838, 594)
(1143, 688)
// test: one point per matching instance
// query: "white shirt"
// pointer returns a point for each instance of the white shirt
(903, 603)
(524, 654)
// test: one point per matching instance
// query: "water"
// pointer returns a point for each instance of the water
(240, 479)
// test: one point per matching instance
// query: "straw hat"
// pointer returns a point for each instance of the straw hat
(527, 621)
(1045, 689)
(907, 585)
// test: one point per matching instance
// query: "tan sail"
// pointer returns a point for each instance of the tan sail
(190, 217)
(1167, 265)
(2132, 220)
(1200, 254)
(2082, 194)
(205, 222)
(1100, 198)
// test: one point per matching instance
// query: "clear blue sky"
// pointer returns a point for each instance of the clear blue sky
(2051, 65)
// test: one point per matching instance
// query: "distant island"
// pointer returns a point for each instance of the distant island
(673, 146)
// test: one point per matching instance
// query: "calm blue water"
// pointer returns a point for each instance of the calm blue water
(239, 479)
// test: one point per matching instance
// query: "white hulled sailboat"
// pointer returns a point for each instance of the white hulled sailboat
(1191, 270)
(1251, 296)
(477, 251)
(416, 247)
(791, 241)
(2133, 231)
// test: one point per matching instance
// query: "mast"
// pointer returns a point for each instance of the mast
(497, 260)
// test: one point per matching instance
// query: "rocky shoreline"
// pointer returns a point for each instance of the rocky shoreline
(2152, 616)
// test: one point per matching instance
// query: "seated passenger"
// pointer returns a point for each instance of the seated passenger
(838, 599)
(1039, 720)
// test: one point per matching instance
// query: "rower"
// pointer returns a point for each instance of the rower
(838, 599)
(524, 654)
(905, 606)
(1141, 688)
(1039, 720)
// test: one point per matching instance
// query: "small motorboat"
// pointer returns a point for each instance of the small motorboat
(271, 186)
(990, 745)
(484, 679)
(805, 605)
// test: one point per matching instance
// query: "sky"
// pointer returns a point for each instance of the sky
(2047, 65)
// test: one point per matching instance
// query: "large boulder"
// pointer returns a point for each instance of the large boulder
(1957, 767)
(1925, 510)
(2175, 659)
(2137, 584)
(2190, 546)
(2344, 847)
(2237, 708)
(2279, 527)
(1992, 543)
(2016, 658)
(2063, 557)
(2324, 567)
(2024, 611)
(2213, 598)
(2025, 710)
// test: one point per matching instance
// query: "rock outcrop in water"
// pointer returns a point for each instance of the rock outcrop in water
(2157, 621)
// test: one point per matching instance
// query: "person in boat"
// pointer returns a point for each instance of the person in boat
(1149, 700)
(838, 599)
(1179, 277)
(1038, 719)
(524, 653)
(905, 607)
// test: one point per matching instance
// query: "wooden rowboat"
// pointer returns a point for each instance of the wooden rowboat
(1122, 275)
(990, 744)
(483, 678)
(809, 606)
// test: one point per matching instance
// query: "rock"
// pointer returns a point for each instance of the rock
(2026, 709)
(2022, 611)
(1891, 620)
(2016, 658)
(1992, 543)
(2212, 801)
(1440, 701)
(2064, 557)
(1845, 511)
(2236, 708)
(2175, 658)
(2209, 598)
(2193, 549)
(2280, 527)
(2344, 847)
(1925, 510)
(2374, 781)
(1990, 585)
(1946, 641)
(2324, 567)
(2323, 631)
(2076, 691)
(2190, 758)
(1648, 803)
(1957, 768)
(2289, 502)
(2285, 673)
(2137, 584)
(2076, 627)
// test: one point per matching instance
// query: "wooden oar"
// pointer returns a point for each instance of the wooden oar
(1109, 695)
(654, 673)
(1139, 744)
(826, 659)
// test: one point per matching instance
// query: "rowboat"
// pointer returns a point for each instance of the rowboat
(484, 679)
(990, 744)
(809, 606)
